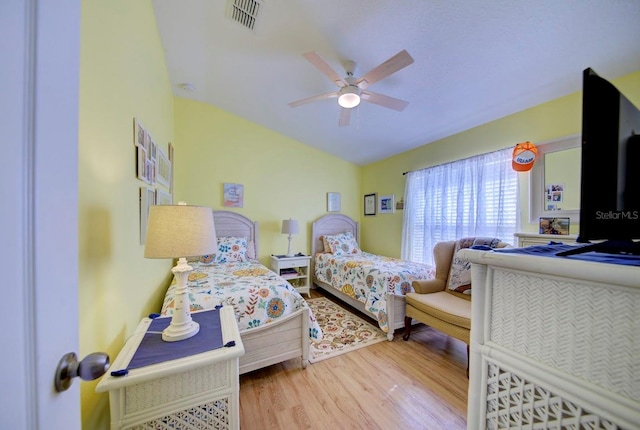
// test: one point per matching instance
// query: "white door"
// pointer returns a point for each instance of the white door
(39, 68)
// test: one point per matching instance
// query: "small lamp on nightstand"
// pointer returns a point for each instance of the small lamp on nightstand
(290, 226)
(179, 231)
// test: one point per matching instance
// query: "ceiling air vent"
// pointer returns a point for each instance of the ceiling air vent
(244, 12)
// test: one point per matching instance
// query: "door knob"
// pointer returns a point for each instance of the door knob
(91, 367)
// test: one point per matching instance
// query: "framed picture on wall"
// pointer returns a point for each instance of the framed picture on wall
(163, 197)
(233, 195)
(139, 133)
(333, 202)
(387, 204)
(370, 204)
(171, 171)
(147, 199)
(141, 163)
(163, 169)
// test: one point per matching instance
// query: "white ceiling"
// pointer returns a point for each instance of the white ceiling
(475, 61)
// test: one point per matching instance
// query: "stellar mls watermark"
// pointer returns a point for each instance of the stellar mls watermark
(617, 215)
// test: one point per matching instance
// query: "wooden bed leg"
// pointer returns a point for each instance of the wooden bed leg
(305, 363)
(407, 328)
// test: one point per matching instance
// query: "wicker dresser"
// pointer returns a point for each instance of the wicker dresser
(199, 391)
(555, 343)
(529, 239)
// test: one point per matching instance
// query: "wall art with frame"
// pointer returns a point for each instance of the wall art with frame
(370, 204)
(147, 199)
(233, 195)
(145, 153)
(163, 197)
(333, 202)
(163, 169)
(387, 204)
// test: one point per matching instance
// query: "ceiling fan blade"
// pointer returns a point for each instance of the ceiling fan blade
(326, 96)
(384, 101)
(345, 116)
(399, 61)
(325, 68)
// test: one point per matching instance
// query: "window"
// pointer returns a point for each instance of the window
(477, 196)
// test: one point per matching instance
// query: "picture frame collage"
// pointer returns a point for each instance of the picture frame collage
(154, 166)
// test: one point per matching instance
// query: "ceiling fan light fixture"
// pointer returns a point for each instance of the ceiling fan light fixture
(349, 96)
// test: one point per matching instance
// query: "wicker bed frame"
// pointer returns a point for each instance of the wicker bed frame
(337, 223)
(277, 341)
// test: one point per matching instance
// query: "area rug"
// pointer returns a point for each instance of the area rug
(342, 331)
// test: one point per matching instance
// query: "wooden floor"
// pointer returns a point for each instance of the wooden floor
(418, 384)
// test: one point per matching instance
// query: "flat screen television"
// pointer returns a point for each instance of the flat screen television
(610, 170)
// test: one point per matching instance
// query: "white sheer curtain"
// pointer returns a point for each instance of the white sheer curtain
(477, 196)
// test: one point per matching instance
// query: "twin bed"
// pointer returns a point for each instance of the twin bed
(373, 284)
(275, 322)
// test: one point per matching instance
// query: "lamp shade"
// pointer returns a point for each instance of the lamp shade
(290, 226)
(175, 231)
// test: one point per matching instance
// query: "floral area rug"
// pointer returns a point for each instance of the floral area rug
(342, 331)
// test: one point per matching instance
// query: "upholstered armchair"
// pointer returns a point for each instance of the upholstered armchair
(444, 302)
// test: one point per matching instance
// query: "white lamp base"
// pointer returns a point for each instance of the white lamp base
(290, 251)
(172, 334)
(182, 326)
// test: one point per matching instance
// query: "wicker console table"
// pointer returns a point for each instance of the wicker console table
(199, 391)
(555, 343)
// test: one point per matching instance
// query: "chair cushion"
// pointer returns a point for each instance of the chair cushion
(460, 273)
(444, 306)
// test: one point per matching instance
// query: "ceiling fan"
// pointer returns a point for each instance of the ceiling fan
(352, 90)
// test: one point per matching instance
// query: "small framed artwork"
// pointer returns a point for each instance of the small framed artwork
(233, 195)
(147, 199)
(150, 171)
(554, 225)
(139, 133)
(141, 161)
(163, 169)
(333, 202)
(163, 197)
(387, 204)
(171, 158)
(370, 204)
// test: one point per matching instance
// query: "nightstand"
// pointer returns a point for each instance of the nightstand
(200, 390)
(295, 270)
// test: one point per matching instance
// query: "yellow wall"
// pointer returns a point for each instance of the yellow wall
(282, 178)
(122, 76)
(558, 118)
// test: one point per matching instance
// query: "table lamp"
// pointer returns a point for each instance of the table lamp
(290, 226)
(179, 231)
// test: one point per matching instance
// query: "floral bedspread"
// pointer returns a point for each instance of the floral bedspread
(368, 278)
(258, 295)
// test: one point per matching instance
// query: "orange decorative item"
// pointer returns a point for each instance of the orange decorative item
(524, 155)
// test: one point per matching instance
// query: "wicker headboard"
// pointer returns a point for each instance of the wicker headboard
(233, 224)
(332, 224)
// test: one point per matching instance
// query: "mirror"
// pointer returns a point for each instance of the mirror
(555, 181)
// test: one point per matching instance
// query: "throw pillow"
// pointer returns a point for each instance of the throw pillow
(460, 273)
